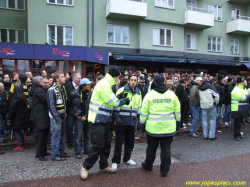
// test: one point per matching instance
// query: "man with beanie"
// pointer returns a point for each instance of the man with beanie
(101, 106)
(239, 106)
(160, 118)
(220, 89)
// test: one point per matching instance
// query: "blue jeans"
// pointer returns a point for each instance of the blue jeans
(2, 135)
(82, 127)
(227, 113)
(195, 111)
(209, 132)
(69, 128)
(218, 111)
(19, 137)
(57, 138)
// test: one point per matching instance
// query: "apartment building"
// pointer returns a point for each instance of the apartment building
(159, 35)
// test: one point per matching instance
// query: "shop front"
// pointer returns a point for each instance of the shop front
(34, 57)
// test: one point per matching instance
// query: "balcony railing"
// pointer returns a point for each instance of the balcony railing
(199, 9)
(239, 17)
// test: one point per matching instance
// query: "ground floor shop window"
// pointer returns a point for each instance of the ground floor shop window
(37, 66)
(23, 66)
(77, 66)
(50, 67)
(9, 66)
(64, 66)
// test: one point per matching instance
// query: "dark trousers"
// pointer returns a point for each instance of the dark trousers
(153, 143)
(124, 133)
(237, 126)
(69, 128)
(43, 135)
(183, 110)
(186, 114)
(101, 145)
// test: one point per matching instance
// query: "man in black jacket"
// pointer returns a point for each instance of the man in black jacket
(77, 107)
(220, 89)
(183, 98)
(4, 103)
(71, 119)
(39, 114)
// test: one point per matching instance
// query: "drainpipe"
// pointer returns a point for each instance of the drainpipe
(93, 18)
(88, 23)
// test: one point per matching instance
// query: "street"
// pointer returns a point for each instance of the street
(193, 160)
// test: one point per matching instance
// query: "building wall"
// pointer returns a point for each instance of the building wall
(14, 19)
(40, 14)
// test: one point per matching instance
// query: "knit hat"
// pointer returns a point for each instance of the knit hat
(114, 72)
(240, 80)
(159, 79)
(220, 77)
(182, 81)
(24, 79)
(229, 79)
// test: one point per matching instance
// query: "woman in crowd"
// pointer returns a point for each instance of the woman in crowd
(16, 81)
(18, 116)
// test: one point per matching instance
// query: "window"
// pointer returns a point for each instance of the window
(12, 35)
(214, 44)
(162, 37)
(235, 46)
(191, 5)
(61, 2)
(60, 35)
(118, 34)
(217, 11)
(12, 4)
(165, 3)
(191, 41)
(235, 13)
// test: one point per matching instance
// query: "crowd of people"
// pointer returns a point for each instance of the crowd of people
(86, 112)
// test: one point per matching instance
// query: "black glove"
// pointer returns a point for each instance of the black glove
(122, 95)
(178, 125)
(118, 121)
(142, 127)
(127, 101)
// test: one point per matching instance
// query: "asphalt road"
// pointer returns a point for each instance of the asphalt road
(192, 159)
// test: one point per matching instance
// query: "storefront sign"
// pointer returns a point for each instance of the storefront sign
(16, 51)
(52, 52)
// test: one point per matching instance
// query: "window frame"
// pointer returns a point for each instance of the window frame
(236, 9)
(165, 34)
(196, 41)
(238, 52)
(16, 5)
(64, 3)
(167, 2)
(216, 44)
(16, 34)
(217, 10)
(114, 35)
(64, 33)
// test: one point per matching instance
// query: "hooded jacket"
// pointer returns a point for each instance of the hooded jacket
(160, 112)
(221, 91)
(208, 95)
(194, 95)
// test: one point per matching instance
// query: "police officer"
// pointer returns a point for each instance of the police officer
(126, 121)
(239, 106)
(101, 106)
(160, 118)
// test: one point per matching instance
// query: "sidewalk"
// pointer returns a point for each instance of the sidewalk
(227, 170)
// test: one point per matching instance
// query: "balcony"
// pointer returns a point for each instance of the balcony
(239, 25)
(199, 18)
(239, 1)
(128, 9)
